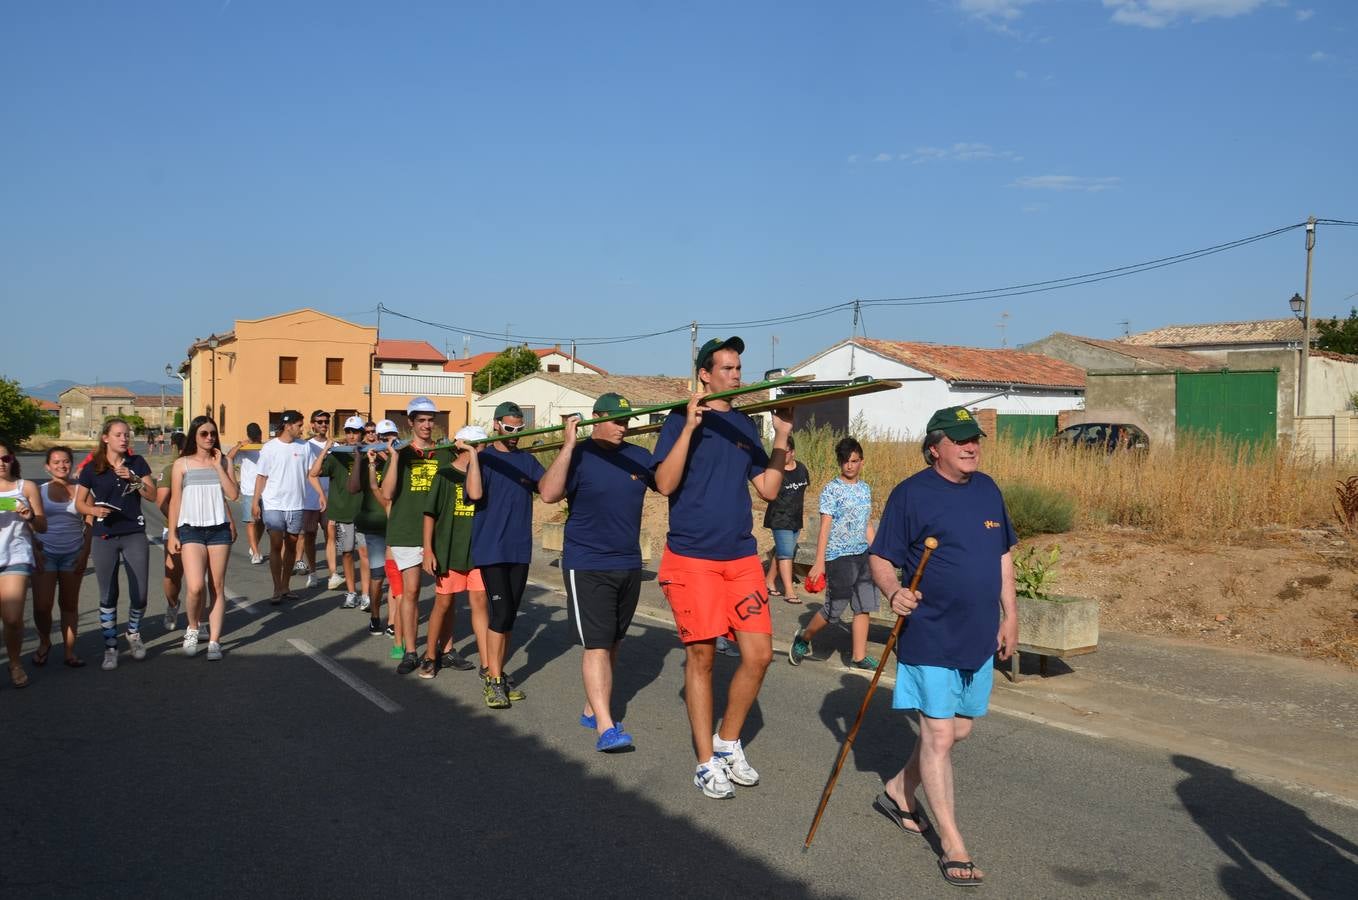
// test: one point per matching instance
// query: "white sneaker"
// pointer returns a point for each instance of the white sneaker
(110, 659)
(299, 567)
(711, 777)
(350, 601)
(171, 616)
(365, 603)
(336, 581)
(214, 651)
(190, 641)
(138, 648)
(256, 559)
(732, 755)
(312, 580)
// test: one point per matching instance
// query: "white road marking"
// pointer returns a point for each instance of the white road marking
(376, 697)
(243, 602)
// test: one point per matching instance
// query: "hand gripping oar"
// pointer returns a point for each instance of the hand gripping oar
(930, 544)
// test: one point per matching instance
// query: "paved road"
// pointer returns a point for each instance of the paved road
(302, 765)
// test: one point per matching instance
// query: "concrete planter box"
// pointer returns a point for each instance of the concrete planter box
(1056, 626)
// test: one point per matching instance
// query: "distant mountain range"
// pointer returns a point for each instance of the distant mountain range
(51, 390)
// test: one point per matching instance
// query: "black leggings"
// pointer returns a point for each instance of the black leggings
(505, 583)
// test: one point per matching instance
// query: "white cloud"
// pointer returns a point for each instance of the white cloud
(1320, 56)
(1159, 13)
(962, 151)
(1066, 183)
(853, 158)
(882, 157)
(994, 10)
(1305, 14)
(1021, 75)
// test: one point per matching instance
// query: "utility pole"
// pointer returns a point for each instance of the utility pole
(1306, 318)
(853, 333)
(508, 325)
(773, 351)
(572, 356)
(693, 354)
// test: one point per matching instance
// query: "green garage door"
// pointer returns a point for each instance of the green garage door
(1239, 405)
(1018, 428)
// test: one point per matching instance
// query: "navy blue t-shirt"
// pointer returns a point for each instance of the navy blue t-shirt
(605, 487)
(958, 620)
(502, 531)
(710, 514)
(109, 488)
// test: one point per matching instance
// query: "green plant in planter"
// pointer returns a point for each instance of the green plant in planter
(1034, 574)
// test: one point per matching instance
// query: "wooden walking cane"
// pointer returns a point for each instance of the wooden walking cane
(930, 544)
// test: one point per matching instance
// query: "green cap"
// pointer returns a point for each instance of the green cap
(508, 409)
(612, 403)
(704, 360)
(956, 423)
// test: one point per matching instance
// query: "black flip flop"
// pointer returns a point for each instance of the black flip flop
(75, 662)
(887, 807)
(40, 656)
(945, 864)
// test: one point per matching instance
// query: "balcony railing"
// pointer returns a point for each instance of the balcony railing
(428, 384)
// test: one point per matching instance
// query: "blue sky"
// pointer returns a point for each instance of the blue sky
(593, 170)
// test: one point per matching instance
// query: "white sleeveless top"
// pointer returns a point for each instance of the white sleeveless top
(16, 546)
(65, 529)
(203, 502)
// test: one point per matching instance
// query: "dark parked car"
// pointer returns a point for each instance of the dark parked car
(1106, 436)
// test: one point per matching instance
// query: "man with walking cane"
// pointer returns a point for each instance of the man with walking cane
(953, 622)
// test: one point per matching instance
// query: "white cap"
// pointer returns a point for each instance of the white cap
(421, 405)
(355, 423)
(387, 426)
(471, 433)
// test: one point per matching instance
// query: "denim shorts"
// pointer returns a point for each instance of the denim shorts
(785, 543)
(377, 553)
(942, 693)
(247, 501)
(289, 520)
(16, 569)
(212, 535)
(58, 562)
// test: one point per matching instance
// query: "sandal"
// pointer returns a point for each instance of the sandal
(75, 662)
(775, 593)
(18, 676)
(40, 655)
(968, 866)
(791, 599)
(888, 807)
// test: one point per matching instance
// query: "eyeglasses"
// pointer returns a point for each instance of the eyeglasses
(511, 429)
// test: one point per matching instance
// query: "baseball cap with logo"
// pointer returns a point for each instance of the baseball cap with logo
(704, 360)
(612, 403)
(354, 423)
(387, 426)
(421, 405)
(508, 409)
(956, 423)
(289, 416)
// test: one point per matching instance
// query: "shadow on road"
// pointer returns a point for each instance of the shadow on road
(885, 740)
(1272, 845)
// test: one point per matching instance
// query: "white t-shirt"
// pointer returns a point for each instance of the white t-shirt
(285, 465)
(314, 450)
(249, 468)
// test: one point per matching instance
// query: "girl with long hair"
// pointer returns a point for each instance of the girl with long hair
(111, 489)
(201, 530)
(65, 551)
(20, 516)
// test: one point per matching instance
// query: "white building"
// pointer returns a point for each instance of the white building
(935, 376)
(547, 396)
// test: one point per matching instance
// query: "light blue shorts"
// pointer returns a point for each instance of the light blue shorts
(942, 693)
(288, 520)
(785, 543)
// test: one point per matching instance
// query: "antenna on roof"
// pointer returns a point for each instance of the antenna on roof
(466, 346)
(1003, 324)
(1126, 327)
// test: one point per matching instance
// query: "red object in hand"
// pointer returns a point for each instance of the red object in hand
(814, 583)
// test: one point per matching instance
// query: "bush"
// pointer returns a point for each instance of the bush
(1039, 510)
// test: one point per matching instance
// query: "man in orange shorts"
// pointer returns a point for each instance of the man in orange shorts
(710, 572)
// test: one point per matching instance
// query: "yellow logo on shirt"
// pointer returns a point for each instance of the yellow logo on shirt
(991, 524)
(460, 505)
(422, 475)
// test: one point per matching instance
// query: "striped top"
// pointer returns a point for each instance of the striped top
(202, 502)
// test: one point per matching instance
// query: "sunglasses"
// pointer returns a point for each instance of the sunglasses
(320, 421)
(7, 458)
(208, 434)
(511, 429)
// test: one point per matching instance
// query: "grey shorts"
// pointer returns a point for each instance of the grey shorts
(288, 520)
(246, 513)
(345, 536)
(848, 585)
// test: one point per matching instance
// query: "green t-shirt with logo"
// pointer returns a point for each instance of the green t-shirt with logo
(371, 517)
(452, 513)
(405, 522)
(340, 505)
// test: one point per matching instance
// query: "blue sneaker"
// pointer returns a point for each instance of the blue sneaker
(800, 649)
(589, 722)
(613, 739)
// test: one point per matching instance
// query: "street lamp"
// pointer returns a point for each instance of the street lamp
(212, 344)
(1297, 304)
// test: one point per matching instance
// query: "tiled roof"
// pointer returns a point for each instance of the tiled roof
(45, 405)
(1167, 358)
(481, 360)
(1265, 331)
(171, 400)
(640, 390)
(979, 366)
(409, 351)
(101, 390)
